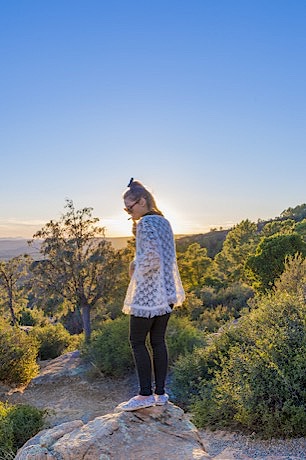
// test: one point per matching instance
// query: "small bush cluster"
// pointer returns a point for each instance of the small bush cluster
(53, 340)
(18, 353)
(18, 424)
(182, 337)
(109, 350)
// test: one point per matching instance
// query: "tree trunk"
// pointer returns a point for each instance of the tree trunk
(86, 321)
(14, 319)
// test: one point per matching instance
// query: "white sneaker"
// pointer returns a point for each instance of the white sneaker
(161, 400)
(135, 403)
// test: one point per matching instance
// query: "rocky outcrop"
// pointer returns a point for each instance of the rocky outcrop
(156, 433)
(67, 365)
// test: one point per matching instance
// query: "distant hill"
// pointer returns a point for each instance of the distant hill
(212, 241)
(14, 247)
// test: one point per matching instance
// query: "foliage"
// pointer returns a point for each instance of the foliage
(6, 434)
(212, 319)
(110, 351)
(191, 370)
(293, 279)
(194, 265)
(202, 316)
(238, 246)
(182, 337)
(269, 260)
(53, 340)
(79, 265)
(18, 423)
(300, 229)
(255, 377)
(234, 297)
(191, 308)
(298, 213)
(278, 227)
(212, 241)
(109, 348)
(12, 279)
(18, 352)
(32, 317)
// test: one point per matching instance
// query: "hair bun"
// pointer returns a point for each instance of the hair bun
(131, 181)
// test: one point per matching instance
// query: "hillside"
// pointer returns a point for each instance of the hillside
(13, 247)
(212, 241)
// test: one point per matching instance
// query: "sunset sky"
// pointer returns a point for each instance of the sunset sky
(204, 101)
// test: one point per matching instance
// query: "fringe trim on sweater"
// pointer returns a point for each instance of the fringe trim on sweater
(146, 313)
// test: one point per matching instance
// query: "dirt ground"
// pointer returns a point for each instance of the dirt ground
(70, 397)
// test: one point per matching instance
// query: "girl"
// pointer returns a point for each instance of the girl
(155, 288)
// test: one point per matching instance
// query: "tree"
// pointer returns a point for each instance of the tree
(194, 264)
(298, 213)
(293, 279)
(239, 244)
(12, 274)
(300, 228)
(78, 264)
(269, 260)
(278, 226)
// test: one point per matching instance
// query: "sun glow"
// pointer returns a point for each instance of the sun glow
(120, 225)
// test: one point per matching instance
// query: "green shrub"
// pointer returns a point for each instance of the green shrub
(18, 424)
(187, 373)
(192, 370)
(32, 317)
(259, 384)
(234, 297)
(213, 318)
(18, 353)
(53, 340)
(109, 349)
(182, 337)
(6, 433)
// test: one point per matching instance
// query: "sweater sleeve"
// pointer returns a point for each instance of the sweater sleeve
(148, 255)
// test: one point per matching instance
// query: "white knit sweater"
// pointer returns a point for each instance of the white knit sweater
(156, 282)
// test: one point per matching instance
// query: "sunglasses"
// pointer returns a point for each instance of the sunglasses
(130, 208)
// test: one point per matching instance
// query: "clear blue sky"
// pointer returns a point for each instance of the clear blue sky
(202, 100)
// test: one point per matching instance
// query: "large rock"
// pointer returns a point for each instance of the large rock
(155, 433)
(67, 365)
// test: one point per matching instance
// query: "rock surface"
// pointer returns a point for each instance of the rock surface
(157, 433)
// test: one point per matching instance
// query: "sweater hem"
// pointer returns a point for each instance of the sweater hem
(146, 312)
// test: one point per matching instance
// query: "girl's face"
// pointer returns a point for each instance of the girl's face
(136, 208)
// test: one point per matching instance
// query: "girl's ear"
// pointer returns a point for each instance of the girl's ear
(142, 201)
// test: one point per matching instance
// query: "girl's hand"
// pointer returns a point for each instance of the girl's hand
(134, 227)
(132, 268)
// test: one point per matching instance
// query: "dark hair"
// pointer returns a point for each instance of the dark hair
(136, 191)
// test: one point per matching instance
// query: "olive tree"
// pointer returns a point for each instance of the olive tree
(79, 265)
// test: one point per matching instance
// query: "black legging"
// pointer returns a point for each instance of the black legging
(139, 329)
